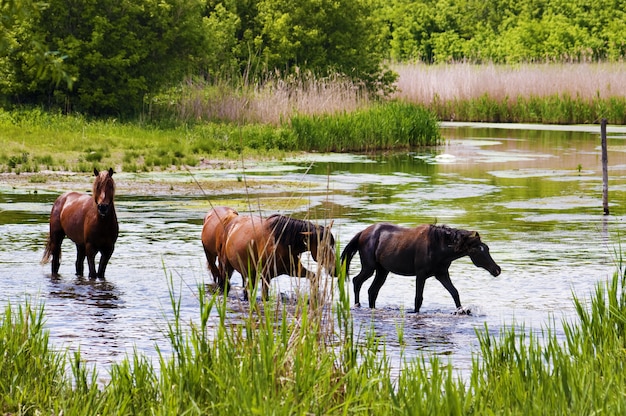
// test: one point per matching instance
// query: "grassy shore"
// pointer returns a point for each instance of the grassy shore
(304, 359)
(34, 140)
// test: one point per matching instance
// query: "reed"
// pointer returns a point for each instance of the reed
(392, 125)
(284, 359)
(542, 93)
(272, 101)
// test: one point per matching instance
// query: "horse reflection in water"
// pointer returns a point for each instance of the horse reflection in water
(269, 247)
(101, 294)
(213, 234)
(89, 221)
(423, 251)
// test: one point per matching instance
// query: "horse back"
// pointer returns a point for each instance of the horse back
(398, 249)
(214, 226)
(248, 242)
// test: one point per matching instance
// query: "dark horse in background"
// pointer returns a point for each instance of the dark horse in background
(269, 247)
(89, 221)
(423, 251)
(213, 235)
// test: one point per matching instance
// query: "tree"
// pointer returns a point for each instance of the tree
(14, 17)
(324, 36)
(119, 52)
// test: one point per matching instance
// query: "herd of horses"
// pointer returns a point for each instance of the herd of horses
(267, 247)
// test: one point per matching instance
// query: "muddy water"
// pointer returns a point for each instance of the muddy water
(534, 193)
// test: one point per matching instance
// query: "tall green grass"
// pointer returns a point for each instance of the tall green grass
(554, 109)
(386, 126)
(304, 359)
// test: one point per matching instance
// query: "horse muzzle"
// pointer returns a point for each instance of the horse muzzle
(495, 271)
(103, 209)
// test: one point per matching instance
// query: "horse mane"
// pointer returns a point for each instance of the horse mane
(444, 235)
(291, 231)
(103, 178)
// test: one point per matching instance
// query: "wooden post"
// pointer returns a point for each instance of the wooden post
(605, 169)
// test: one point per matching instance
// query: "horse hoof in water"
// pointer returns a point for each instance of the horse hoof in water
(462, 311)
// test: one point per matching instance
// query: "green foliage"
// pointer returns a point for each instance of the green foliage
(522, 374)
(506, 31)
(117, 52)
(31, 372)
(324, 36)
(392, 125)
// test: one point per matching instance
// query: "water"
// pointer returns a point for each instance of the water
(533, 193)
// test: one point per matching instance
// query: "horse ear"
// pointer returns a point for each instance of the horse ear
(111, 172)
(474, 234)
(96, 172)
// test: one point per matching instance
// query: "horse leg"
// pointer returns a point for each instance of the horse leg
(105, 256)
(419, 292)
(444, 278)
(211, 262)
(56, 240)
(379, 280)
(91, 261)
(358, 280)
(225, 272)
(80, 259)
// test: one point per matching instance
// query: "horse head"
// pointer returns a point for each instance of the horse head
(103, 190)
(465, 242)
(481, 258)
(321, 244)
(300, 236)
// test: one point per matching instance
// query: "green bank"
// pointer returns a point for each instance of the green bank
(35, 140)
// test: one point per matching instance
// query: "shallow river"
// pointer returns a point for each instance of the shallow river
(534, 193)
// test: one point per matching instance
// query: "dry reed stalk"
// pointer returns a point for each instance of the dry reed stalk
(420, 83)
(272, 101)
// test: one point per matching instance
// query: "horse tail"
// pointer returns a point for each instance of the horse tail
(349, 251)
(47, 252)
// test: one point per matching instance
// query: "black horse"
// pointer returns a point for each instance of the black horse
(423, 251)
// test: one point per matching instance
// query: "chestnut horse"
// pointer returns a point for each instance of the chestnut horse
(423, 251)
(213, 236)
(89, 221)
(268, 247)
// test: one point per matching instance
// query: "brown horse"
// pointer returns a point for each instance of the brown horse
(89, 221)
(213, 235)
(423, 251)
(268, 247)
